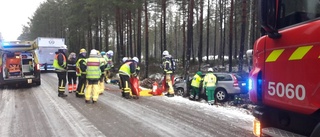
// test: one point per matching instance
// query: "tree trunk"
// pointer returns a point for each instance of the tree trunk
(230, 36)
(138, 53)
(146, 38)
(190, 36)
(243, 33)
(164, 23)
(96, 35)
(184, 34)
(130, 32)
(200, 35)
(208, 31)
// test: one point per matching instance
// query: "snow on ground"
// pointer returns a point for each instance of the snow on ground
(228, 110)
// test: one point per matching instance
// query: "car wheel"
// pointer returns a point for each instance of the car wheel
(180, 92)
(221, 95)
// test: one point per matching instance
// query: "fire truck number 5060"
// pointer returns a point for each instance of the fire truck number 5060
(290, 91)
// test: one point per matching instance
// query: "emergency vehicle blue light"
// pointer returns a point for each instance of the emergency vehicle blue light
(6, 44)
(250, 84)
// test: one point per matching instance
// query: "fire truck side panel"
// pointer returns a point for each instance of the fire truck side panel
(292, 65)
(257, 68)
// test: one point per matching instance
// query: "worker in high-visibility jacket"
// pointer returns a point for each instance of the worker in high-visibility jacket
(209, 84)
(127, 70)
(168, 69)
(81, 67)
(195, 84)
(102, 67)
(93, 76)
(60, 65)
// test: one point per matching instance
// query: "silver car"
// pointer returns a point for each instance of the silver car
(228, 84)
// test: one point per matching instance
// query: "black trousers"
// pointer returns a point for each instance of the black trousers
(82, 84)
(123, 80)
(62, 79)
(72, 76)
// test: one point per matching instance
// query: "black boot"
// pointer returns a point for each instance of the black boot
(62, 95)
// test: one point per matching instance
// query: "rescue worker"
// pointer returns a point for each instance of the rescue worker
(136, 61)
(109, 65)
(102, 67)
(60, 65)
(195, 84)
(81, 67)
(72, 76)
(209, 84)
(168, 69)
(124, 60)
(93, 76)
(127, 70)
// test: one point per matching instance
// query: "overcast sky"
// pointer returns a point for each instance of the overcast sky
(14, 14)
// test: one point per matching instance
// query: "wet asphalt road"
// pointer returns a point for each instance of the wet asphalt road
(39, 112)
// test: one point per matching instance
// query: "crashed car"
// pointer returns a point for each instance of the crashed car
(228, 85)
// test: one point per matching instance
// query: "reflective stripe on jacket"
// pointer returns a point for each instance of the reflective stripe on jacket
(93, 68)
(81, 62)
(167, 67)
(196, 81)
(209, 80)
(109, 63)
(125, 68)
(56, 62)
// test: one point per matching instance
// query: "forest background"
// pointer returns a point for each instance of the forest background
(197, 33)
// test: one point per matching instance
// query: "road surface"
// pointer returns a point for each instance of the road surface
(39, 112)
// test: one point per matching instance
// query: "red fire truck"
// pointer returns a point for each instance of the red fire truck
(285, 78)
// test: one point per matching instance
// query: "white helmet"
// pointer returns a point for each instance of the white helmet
(165, 53)
(135, 59)
(210, 70)
(93, 52)
(63, 47)
(110, 52)
(124, 59)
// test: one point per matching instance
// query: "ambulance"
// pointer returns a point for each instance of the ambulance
(18, 63)
(46, 48)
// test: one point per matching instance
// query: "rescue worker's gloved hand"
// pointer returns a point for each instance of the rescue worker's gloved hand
(134, 75)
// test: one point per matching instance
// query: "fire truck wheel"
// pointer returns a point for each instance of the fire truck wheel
(316, 131)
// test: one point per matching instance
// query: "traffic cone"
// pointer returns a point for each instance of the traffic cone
(154, 88)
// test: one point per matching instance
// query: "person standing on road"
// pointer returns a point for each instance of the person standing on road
(109, 65)
(60, 65)
(209, 84)
(168, 69)
(93, 76)
(195, 84)
(102, 67)
(81, 67)
(72, 76)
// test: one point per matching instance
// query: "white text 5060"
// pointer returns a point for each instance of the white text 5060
(289, 90)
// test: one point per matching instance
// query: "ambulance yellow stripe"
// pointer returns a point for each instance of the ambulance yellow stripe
(274, 55)
(300, 52)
